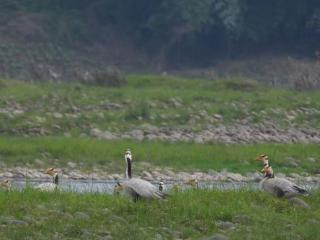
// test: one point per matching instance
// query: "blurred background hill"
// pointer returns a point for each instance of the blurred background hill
(275, 41)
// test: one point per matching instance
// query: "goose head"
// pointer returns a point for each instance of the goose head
(267, 172)
(118, 188)
(53, 173)
(128, 159)
(192, 182)
(264, 159)
(128, 155)
(6, 184)
(161, 186)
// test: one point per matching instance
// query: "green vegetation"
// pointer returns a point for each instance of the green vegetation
(179, 156)
(230, 24)
(60, 108)
(187, 215)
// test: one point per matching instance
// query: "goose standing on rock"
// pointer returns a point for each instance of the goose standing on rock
(137, 188)
(49, 187)
(279, 187)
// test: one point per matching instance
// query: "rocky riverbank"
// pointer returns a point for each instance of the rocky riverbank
(153, 175)
(236, 133)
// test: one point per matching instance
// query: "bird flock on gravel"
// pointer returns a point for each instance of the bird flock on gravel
(139, 189)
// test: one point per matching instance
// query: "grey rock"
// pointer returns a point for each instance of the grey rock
(67, 216)
(226, 225)
(82, 216)
(234, 177)
(86, 233)
(119, 219)
(106, 211)
(158, 236)
(57, 115)
(299, 202)
(217, 116)
(16, 222)
(311, 159)
(241, 219)
(71, 164)
(112, 106)
(217, 236)
(108, 237)
(313, 221)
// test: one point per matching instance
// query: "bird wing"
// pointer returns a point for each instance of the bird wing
(143, 188)
(47, 187)
(283, 187)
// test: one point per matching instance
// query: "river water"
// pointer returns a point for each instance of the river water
(106, 186)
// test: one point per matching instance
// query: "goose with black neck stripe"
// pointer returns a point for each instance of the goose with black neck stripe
(52, 186)
(279, 187)
(137, 188)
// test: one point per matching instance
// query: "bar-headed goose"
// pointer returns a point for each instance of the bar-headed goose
(49, 187)
(279, 187)
(137, 188)
(6, 184)
(161, 186)
(193, 182)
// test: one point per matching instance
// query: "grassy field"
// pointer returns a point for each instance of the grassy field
(179, 156)
(48, 125)
(73, 108)
(188, 215)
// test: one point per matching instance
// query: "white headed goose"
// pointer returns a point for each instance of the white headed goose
(6, 184)
(193, 182)
(137, 188)
(279, 187)
(49, 187)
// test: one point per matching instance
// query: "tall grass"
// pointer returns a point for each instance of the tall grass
(179, 156)
(191, 214)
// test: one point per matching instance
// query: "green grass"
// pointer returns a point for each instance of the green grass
(146, 99)
(179, 156)
(188, 215)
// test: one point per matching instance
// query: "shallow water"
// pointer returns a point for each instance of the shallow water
(106, 186)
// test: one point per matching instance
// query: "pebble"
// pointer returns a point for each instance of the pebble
(241, 219)
(313, 221)
(81, 216)
(237, 133)
(217, 236)
(226, 225)
(57, 115)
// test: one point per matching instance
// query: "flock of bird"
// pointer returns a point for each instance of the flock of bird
(137, 188)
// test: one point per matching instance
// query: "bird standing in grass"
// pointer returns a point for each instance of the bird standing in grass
(137, 188)
(161, 186)
(49, 187)
(6, 184)
(193, 182)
